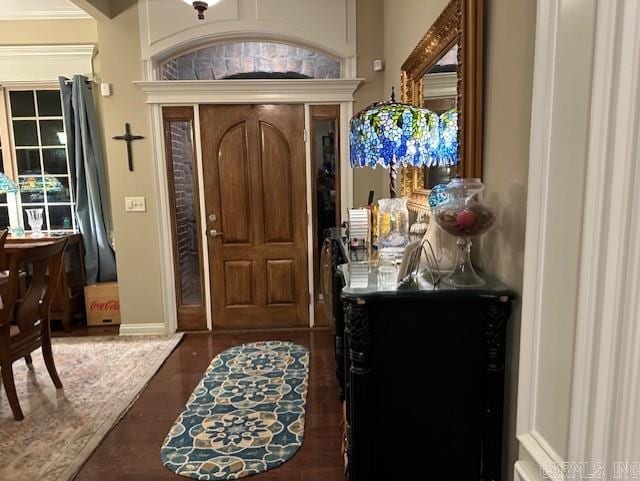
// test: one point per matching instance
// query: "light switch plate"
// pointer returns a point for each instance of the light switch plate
(135, 204)
(105, 89)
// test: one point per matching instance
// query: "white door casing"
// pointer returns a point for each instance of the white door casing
(193, 93)
(579, 385)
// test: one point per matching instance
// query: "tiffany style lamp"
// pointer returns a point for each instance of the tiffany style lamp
(392, 133)
(7, 185)
(38, 184)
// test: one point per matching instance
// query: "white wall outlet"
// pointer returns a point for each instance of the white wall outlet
(378, 65)
(105, 89)
(135, 204)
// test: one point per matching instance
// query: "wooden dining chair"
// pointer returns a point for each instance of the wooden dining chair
(3, 255)
(30, 313)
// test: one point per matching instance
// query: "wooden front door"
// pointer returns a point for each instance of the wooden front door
(256, 208)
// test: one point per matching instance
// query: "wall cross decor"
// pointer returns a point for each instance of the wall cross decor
(128, 138)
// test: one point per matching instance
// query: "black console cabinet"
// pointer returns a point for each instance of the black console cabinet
(422, 375)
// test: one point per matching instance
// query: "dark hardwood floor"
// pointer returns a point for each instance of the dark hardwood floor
(131, 451)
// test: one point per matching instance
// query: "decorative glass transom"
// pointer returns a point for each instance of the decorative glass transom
(251, 60)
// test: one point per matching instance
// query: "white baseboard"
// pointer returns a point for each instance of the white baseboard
(151, 329)
(523, 473)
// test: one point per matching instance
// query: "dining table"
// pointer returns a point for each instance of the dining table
(69, 299)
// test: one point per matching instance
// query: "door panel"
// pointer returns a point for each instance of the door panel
(238, 281)
(254, 176)
(276, 181)
(233, 164)
(281, 282)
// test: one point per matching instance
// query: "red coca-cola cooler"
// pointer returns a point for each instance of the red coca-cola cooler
(102, 303)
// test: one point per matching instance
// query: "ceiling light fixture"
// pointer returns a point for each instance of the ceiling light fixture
(200, 6)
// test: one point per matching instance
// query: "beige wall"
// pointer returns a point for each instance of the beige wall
(48, 32)
(510, 29)
(117, 62)
(370, 40)
(136, 234)
(405, 23)
(508, 92)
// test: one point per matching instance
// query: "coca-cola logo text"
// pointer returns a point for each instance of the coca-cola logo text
(110, 305)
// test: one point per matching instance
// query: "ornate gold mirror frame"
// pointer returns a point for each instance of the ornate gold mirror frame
(461, 22)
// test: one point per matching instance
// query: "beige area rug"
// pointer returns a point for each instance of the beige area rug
(102, 377)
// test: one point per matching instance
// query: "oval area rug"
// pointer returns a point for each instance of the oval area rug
(246, 415)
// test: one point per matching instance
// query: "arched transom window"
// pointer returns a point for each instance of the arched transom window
(251, 60)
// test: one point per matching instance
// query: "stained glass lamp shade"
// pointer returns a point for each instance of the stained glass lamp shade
(7, 185)
(447, 150)
(391, 133)
(39, 184)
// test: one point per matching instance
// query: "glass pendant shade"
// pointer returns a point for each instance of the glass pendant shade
(7, 185)
(389, 133)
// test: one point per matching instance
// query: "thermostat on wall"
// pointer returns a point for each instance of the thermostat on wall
(378, 65)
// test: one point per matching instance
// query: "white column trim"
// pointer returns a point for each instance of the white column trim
(164, 230)
(203, 217)
(536, 452)
(346, 172)
(308, 159)
(604, 413)
(606, 393)
(593, 239)
(543, 87)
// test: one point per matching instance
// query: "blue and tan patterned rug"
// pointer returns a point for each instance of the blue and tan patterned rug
(246, 415)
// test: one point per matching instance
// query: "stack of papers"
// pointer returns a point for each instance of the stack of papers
(359, 275)
(359, 225)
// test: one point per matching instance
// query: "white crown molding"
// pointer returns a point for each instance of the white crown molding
(248, 91)
(48, 51)
(45, 15)
(20, 63)
(440, 85)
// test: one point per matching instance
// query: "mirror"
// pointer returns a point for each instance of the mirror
(440, 95)
(445, 72)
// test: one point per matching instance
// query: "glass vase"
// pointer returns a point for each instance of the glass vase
(34, 216)
(463, 214)
(393, 225)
